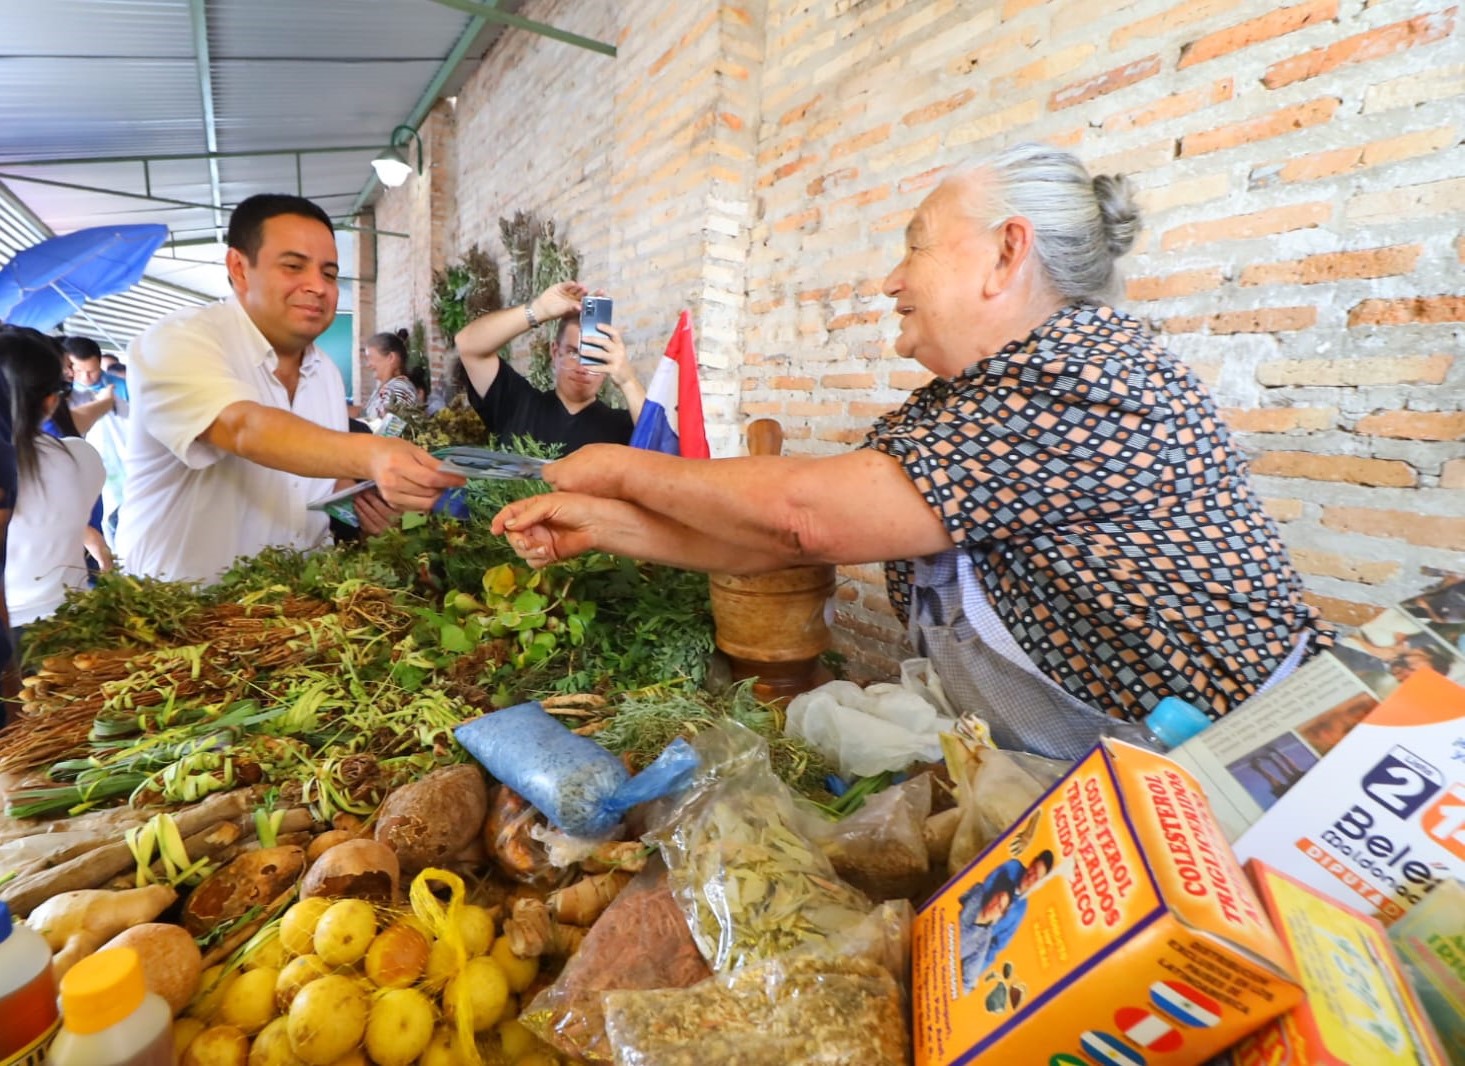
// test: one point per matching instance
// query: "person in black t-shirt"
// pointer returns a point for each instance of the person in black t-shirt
(570, 415)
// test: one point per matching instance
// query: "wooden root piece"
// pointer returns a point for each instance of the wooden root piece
(75, 924)
(533, 931)
(250, 880)
(586, 900)
(99, 865)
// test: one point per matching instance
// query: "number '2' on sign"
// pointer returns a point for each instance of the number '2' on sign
(1401, 782)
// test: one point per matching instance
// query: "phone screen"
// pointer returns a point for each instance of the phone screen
(595, 311)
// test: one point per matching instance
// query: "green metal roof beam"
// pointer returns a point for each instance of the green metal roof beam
(155, 199)
(429, 95)
(491, 13)
(184, 157)
(198, 16)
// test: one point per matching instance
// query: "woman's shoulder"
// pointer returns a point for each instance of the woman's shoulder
(80, 450)
(1092, 345)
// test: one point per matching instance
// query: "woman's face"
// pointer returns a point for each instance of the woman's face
(384, 365)
(937, 285)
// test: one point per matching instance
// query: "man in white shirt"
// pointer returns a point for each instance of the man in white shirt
(238, 420)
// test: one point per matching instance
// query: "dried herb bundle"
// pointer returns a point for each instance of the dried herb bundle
(805, 1009)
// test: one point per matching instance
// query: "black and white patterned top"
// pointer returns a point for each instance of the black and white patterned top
(1108, 515)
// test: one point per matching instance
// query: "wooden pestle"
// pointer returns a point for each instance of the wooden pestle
(765, 437)
(771, 625)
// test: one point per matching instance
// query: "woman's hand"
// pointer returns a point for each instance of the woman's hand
(549, 528)
(595, 469)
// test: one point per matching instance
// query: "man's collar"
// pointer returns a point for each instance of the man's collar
(262, 353)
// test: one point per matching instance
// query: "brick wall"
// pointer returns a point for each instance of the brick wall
(1298, 165)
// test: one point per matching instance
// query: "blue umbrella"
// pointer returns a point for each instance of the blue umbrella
(49, 281)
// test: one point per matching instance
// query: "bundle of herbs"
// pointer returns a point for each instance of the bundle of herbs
(641, 724)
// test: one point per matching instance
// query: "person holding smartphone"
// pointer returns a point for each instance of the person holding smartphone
(570, 415)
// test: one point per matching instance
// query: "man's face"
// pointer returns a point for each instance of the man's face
(574, 382)
(290, 290)
(1033, 873)
(995, 907)
(937, 285)
(85, 372)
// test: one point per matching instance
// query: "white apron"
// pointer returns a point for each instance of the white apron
(985, 671)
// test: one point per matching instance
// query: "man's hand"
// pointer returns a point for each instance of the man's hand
(611, 351)
(407, 477)
(374, 513)
(549, 528)
(557, 301)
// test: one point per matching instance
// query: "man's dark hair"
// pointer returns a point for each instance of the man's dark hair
(1045, 857)
(81, 347)
(247, 222)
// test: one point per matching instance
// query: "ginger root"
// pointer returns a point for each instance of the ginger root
(585, 900)
(75, 924)
(533, 932)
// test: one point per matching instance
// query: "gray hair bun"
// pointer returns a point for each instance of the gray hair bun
(1119, 212)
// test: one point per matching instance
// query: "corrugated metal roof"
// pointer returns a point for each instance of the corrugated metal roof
(103, 81)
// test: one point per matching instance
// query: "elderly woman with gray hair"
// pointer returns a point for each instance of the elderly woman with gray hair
(1067, 528)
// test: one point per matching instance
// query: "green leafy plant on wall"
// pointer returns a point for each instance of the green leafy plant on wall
(464, 290)
(537, 260)
(417, 344)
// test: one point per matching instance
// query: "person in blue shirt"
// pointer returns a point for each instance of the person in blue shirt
(90, 384)
(992, 911)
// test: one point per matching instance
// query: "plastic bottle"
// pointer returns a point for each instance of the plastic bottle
(1173, 721)
(109, 1018)
(1169, 724)
(28, 1017)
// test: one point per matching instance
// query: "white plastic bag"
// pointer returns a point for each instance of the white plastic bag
(882, 727)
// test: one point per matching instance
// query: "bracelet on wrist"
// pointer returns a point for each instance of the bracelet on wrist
(530, 316)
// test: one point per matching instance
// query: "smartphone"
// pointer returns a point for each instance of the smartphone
(594, 313)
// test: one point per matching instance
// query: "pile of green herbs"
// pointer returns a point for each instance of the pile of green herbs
(481, 631)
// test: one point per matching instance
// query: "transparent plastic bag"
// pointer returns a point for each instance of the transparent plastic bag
(750, 883)
(578, 785)
(993, 790)
(835, 1003)
(881, 848)
(508, 834)
(640, 942)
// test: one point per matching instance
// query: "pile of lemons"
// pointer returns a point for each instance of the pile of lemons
(342, 983)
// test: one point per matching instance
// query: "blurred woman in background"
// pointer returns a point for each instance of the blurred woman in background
(59, 480)
(386, 354)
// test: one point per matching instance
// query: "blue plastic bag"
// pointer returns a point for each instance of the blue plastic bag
(574, 782)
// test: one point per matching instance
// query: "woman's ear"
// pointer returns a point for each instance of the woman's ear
(1014, 247)
(49, 405)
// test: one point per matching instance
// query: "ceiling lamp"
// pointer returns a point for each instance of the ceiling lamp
(391, 166)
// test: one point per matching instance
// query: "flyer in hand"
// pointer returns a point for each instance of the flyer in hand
(474, 462)
(465, 460)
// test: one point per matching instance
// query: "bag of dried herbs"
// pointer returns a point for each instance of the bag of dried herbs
(881, 849)
(751, 884)
(815, 1007)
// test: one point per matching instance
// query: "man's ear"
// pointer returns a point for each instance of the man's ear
(1014, 246)
(234, 263)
